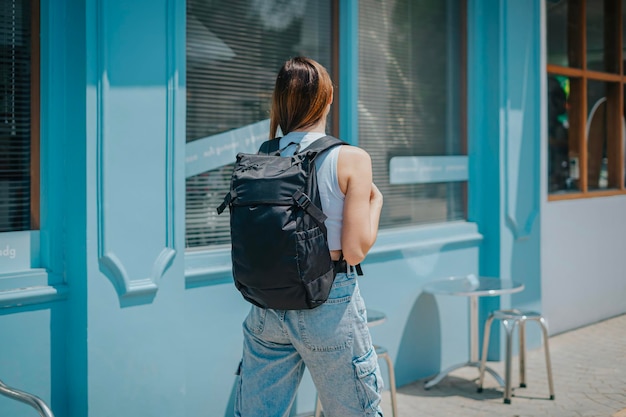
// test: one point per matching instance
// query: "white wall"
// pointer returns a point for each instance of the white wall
(583, 261)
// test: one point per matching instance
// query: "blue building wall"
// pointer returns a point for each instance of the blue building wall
(504, 123)
(114, 318)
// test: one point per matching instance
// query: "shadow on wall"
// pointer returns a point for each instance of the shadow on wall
(419, 353)
(230, 407)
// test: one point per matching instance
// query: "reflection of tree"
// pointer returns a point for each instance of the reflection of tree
(558, 136)
(278, 14)
(236, 90)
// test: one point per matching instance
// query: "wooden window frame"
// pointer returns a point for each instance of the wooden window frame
(579, 110)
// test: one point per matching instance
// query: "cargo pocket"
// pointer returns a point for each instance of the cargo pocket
(369, 382)
(314, 265)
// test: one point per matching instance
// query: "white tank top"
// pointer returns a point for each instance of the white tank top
(327, 181)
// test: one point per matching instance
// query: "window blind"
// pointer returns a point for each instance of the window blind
(410, 100)
(15, 57)
(234, 51)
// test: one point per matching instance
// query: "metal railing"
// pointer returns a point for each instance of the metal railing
(32, 400)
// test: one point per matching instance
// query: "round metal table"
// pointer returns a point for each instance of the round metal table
(473, 287)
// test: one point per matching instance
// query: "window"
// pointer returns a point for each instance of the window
(586, 130)
(411, 107)
(234, 51)
(19, 140)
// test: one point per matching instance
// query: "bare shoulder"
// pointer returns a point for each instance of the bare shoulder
(354, 166)
(353, 154)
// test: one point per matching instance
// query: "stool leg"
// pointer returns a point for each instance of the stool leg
(318, 408)
(522, 353)
(544, 328)
(392, 384)
(483, 359)
(509, 326)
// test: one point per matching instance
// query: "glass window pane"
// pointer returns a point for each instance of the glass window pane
(15, 118)
(563, 156)
(602, 35)
(604, 133)
(410, 100)
(623, 54)
(234, 50)
(564, 33)
(594, 13)
(597, 162)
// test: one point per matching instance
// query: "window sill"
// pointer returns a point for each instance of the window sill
(213, 267)
(29, 287)
(425, 239)
(208, 267)
(588, 194)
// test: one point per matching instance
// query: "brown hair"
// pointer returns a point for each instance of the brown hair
(303, 90)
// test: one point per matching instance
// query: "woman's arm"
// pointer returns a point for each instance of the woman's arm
(362, 205)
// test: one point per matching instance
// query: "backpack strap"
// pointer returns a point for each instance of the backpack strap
(318, 146)
(232, 194)
(304, 202)
(270, 147)
(323, 144)
(357, 267)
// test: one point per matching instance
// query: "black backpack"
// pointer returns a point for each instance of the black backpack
(280, 253)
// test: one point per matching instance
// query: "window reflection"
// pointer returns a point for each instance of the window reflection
(558, 29)
(596, 135)
(563, 163)
(410, 72)
(234, 50)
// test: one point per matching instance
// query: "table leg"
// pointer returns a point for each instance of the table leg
(474, 359)
(474, 329)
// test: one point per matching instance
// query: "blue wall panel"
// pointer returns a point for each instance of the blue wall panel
(31, 338)
(134, 173)
(134, 62)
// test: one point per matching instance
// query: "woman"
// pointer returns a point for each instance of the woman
(332, 340)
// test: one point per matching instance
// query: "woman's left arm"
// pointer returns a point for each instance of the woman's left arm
(362, 205)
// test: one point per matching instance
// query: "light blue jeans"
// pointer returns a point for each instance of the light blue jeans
(332, 341)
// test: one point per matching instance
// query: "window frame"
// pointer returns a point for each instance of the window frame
(614, 145)
(38, 278)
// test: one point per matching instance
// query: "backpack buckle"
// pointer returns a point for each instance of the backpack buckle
(302, 200)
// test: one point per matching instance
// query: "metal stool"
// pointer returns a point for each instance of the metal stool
(510, 318)
(374, 318)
